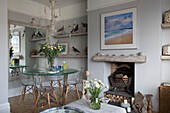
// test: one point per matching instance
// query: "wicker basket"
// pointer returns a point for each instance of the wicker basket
(167, 17)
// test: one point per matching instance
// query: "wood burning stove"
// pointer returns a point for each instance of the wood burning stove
(121, 80)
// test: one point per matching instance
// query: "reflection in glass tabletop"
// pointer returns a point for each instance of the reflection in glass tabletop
(17, 66)
(45, 72)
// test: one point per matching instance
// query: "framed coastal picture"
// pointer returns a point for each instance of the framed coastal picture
(64, 51)
(118, 29)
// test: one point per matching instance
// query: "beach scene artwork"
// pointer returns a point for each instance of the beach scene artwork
(118, 29)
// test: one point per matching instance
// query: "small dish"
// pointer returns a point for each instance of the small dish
(53, 72)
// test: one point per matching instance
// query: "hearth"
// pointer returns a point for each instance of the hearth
(121, 82)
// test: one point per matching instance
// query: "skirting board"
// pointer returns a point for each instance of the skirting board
(4, 108)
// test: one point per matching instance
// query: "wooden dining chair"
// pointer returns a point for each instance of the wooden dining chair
(72, 84)
(28, 84)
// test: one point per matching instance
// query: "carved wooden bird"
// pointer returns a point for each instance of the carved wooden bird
(75, 49)
(84, 24)
(61, 29)
(75, 28)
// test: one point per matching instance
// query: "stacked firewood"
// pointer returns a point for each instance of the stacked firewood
(117, 98)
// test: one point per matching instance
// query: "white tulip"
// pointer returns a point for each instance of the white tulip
(99, 81)
(97, 85)
(87, 85)
(95, 82)
(87, 82)
(107, 86)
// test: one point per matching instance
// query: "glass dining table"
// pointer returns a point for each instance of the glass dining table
(45, 72)
(17, 69)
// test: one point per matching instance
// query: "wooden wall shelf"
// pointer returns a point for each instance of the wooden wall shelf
(37, 56)
(38, 39)
(165, 57)
(135, 59)
(61, 56)
(166, 25)
(70, 35)
(72, 56)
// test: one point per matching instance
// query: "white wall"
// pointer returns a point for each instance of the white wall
(97, 4)
(4, 106)
(74, 11)
(34, 9)
(147, 75)
(27, 7)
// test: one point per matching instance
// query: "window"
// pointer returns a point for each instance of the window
(15, 42)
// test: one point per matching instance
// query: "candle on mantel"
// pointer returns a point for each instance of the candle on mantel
(87, 73)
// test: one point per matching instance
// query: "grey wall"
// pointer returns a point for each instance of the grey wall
(3, 58)
(147, 75)
(165, 40)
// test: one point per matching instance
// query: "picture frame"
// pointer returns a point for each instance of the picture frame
(118, 29)
(65, 48)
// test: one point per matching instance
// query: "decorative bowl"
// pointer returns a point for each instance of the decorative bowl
(64, 109)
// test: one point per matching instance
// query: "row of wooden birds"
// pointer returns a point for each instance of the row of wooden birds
(75, 28)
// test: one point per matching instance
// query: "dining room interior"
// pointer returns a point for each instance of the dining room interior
(84, 56)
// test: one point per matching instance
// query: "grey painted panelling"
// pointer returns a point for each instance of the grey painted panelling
(165, 40)
(4, 53)
(147, 75)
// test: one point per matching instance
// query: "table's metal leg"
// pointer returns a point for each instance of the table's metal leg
(64, 98)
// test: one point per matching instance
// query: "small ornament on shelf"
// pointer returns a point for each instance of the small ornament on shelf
(167, 17)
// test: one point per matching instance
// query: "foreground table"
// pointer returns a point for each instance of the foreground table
(44, 72)
(84, 105)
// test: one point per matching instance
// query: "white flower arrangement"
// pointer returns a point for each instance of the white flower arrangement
(94, 86)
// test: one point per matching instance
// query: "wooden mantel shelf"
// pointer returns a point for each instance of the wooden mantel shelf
(135, 59)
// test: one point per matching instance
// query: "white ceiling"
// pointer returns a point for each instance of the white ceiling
(63, 3)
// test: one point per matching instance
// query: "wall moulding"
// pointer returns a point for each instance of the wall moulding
(135, 59)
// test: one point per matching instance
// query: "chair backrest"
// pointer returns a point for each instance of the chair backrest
(25, 79)
(78, 75)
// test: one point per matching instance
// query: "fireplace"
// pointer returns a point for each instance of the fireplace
(121, 82)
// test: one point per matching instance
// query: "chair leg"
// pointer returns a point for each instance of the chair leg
(77, 91)
(21, 95)
(48, 99)
(33, 93)
(66, 91)
(60, 88)
(24, 92)
(44, 97)
(36, 102)
(56, 98)
(51, 83)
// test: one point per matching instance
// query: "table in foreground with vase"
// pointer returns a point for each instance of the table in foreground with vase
(44, 72)
(83, 106)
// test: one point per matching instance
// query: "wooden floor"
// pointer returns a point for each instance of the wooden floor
(27, 105)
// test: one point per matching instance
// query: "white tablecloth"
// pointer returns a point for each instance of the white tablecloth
(84, 105)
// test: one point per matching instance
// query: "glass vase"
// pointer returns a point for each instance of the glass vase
(50, 64)
(95, 103)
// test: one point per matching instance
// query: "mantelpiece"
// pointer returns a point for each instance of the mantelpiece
(135, 59)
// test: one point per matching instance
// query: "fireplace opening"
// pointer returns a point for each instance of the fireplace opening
(121, 82)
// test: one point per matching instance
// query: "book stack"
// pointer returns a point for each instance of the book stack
(166, 84)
